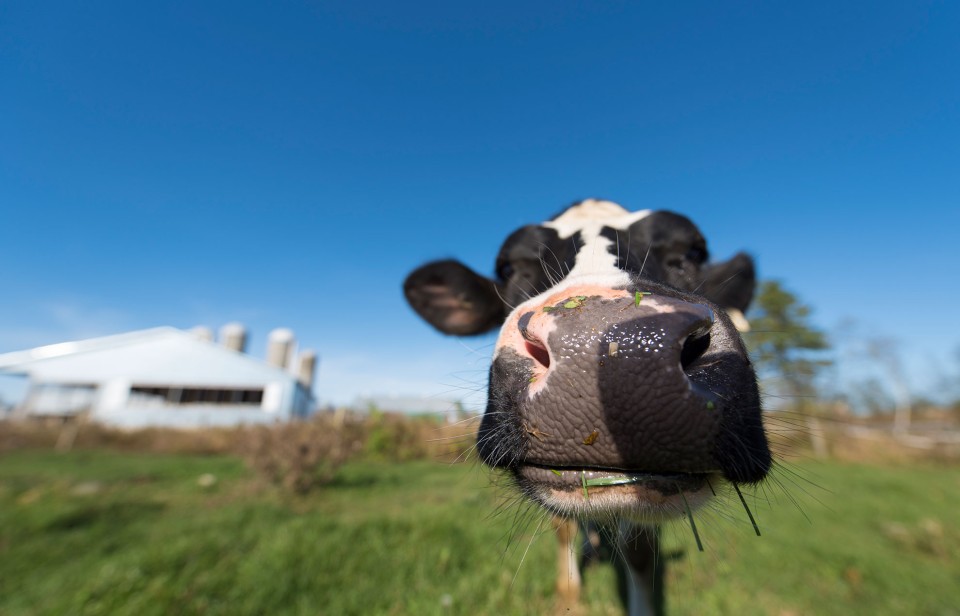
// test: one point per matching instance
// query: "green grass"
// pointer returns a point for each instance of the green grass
(96, 532)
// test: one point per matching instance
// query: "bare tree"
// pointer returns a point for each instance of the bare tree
(870, 394)
(886, 352)
(952, 386)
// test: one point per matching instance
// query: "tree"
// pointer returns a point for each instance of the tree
(782, 340)
(785, 346)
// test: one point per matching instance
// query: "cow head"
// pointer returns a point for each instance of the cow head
(619, 383)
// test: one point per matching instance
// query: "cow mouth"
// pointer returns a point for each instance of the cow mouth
(591, 491)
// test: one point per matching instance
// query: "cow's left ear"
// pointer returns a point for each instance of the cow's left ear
(454, 299)
(730, 284)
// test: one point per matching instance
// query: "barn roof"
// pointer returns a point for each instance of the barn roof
(157, 355)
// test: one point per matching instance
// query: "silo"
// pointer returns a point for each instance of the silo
(307, 367)
(234, 337)
(202, 333)
(279, 347)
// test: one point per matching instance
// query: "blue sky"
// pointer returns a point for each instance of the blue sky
(286, 164)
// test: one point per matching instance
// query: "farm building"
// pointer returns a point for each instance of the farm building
(166, 377)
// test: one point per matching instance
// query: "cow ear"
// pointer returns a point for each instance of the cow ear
(730, 284)
(454, 299)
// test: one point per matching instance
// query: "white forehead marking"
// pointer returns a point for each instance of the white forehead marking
(594, 213)
(595, 260)
(595, 264)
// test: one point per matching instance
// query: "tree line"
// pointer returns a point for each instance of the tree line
(797, 363)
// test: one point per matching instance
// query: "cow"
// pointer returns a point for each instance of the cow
(620, 392)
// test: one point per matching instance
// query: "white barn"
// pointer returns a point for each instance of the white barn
(166, 377)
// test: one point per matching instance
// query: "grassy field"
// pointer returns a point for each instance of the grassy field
(95, 532)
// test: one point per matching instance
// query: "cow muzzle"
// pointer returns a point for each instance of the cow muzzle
(635, 395)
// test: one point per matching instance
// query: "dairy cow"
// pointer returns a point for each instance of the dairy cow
(620, 390)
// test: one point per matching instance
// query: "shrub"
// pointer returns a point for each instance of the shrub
(399, 437)
(47, 433)
(301, 456)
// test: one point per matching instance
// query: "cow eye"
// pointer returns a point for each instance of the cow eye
(697, 255)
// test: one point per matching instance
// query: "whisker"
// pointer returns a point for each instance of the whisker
(559, 270)
(644, 264)
(496, 288)
(749, 514)
(522, 558)
(693, 525)
(722, 284)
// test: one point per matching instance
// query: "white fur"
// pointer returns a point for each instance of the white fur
(594, 261)
(595, 264)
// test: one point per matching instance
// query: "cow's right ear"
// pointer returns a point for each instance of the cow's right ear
(454, 299)
(730, 283)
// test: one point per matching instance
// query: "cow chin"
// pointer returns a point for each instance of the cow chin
(646, 498)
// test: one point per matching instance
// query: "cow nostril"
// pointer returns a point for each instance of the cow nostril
(694, 347)
(534, 347)
(538, 353)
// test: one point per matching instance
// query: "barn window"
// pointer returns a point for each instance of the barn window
(59, 399)
(151, 395)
